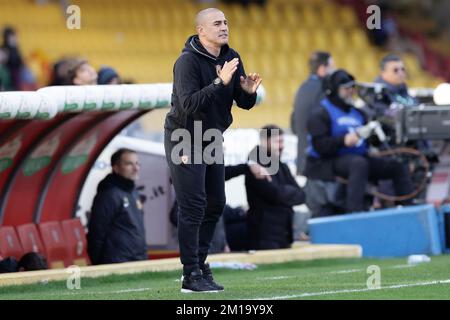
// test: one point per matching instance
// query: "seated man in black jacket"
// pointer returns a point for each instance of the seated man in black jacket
(116, 225)
(270, 214)
(335, 149)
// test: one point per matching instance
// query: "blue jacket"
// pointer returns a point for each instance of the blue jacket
(116, 225)
(326, 138)
(341, 122)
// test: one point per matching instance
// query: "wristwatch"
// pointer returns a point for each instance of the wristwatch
(218, 82)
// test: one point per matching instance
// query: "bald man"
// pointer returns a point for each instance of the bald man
(208, 76)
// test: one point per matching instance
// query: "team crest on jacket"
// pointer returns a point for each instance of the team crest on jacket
(126, 203)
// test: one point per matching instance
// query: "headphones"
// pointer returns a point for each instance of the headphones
(331, 82)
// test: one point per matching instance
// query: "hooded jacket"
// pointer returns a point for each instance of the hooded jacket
(116, 225)
(196, 98)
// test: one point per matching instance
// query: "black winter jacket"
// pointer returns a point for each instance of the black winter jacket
(116, 225)
(196, 98)
(270, 213)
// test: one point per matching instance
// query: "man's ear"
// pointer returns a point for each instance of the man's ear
(199, 29)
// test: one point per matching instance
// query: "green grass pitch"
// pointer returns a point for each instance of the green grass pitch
(320, 279)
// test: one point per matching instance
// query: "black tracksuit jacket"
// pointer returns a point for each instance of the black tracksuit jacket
(196, 98)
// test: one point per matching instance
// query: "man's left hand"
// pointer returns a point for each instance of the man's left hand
(251, 83)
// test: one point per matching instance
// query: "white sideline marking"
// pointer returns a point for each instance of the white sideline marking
(276, 278)
(131, 290)
(323, 293)
(403, 266)
(346, 271)
(76, 292)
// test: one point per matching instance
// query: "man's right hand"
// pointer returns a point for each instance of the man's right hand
(351, 139)
(226, 72)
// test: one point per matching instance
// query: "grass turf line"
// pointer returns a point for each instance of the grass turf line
(319, 279)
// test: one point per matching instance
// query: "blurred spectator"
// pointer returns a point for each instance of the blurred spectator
(27, 80)
(80, 72)
(60, 75)
(39, 64)
(116, 225)
(270, 214)
(235, 220)
(393, 77)
(300, 225)
(388, 27)
(307, 98)
(336, 150)
(8, 264)
(32, 261)
(107, 75)
(219, 242)
(5, 78)
(389, 36)
(14, 62)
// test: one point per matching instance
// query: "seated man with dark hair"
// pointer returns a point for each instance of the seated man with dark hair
(271, 200)
(116, 226)
(336, 150)
(32, 261)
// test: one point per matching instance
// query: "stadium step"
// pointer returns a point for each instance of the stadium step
(302, 253)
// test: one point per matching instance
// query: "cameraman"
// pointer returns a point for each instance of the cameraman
(392, 77)
(335, 149)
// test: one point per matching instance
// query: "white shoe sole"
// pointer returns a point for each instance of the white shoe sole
(192, 291)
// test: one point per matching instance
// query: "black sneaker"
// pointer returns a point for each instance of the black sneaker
(194, 282)
(207, 275)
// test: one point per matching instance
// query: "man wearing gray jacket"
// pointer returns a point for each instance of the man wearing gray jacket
(308, 97)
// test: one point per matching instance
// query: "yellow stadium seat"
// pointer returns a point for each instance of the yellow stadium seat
(347, 17)
(339, 40)
(302, 40)
(320, 39)
(359, 39)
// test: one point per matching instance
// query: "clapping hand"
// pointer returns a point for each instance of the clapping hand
(251, 83)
